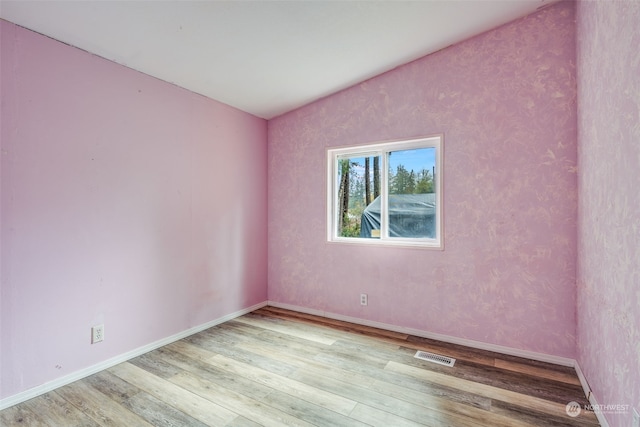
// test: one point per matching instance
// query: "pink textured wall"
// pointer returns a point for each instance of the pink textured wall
(125, 201)
(608, 35)
(506, 103)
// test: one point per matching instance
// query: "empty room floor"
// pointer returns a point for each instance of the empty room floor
(276, 367)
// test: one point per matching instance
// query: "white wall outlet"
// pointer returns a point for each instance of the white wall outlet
(635, 418)
(364, 299)
(97, 334)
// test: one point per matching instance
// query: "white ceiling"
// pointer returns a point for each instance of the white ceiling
(264, 57)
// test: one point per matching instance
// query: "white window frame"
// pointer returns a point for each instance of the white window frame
(381, 149)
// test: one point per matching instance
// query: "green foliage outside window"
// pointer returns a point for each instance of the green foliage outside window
(359, 187)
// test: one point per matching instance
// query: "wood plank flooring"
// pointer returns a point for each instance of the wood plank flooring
(275, 367)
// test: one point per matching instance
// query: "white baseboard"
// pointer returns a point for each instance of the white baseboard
(592, 399)
(583, 380)
(563, 361)
(75, 376)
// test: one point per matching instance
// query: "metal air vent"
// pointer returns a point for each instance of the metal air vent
(435, 358)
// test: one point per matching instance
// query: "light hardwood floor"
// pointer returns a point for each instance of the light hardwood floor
(275, 367)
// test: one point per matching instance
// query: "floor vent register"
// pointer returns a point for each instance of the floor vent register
(435, 358)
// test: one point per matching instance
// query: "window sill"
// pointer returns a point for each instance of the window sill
(392, 243)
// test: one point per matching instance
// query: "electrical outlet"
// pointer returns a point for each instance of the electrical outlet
(636, 419)
(364, 299)
(97, 334)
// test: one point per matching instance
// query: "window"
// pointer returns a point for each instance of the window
(386, 194)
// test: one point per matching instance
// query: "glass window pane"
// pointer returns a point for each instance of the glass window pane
(411, 189)
(386, 193)
(358, 188)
